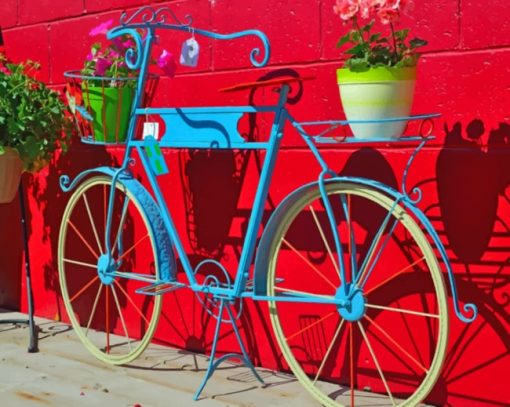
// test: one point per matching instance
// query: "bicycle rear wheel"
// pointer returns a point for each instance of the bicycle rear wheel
(113, 322)
(387, 347)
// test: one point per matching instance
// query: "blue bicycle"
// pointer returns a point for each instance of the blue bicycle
(351, 268)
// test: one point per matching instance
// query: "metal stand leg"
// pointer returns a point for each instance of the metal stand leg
(214, 363)
(32, 347)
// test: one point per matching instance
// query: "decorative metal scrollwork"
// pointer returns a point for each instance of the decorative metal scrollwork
(149, 15)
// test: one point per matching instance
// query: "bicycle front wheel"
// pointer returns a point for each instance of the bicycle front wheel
(113, 322)
(386, 346)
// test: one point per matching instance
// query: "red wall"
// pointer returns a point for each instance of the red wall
(464, 74)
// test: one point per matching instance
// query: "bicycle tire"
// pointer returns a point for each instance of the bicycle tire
(110, 336)
(310, 363)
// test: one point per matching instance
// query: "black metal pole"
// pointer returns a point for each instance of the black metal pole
(32, 347)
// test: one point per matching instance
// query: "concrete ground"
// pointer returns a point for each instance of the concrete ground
(63, 373)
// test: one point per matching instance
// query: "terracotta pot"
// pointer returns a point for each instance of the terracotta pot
(379, 93)
(11, 168)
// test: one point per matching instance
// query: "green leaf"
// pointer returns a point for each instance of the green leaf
(417, 42)
(344, 40)
(368, 26)
(357, 64)
(358, 51)
(375, 37)
(356, 36)
(401, 35)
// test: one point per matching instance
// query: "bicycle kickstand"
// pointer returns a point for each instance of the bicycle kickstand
(214, 363)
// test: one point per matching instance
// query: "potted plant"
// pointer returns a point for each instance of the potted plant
(108, 85)
(379, 74)
(32, 124)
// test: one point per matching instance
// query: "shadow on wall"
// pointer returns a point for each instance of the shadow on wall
(51, 202)
(473, 176)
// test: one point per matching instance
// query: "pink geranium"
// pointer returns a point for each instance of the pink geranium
(368, 49)
(388, 15)
(347, 9)
(109, 61)
(102, 65)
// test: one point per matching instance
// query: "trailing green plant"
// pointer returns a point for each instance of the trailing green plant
(369, 49)
(32, 117)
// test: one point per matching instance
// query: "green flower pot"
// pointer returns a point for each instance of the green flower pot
(379, 93)
(110, 108)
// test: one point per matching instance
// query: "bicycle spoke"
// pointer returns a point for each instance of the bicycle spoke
(92, 222)
(93, 309)
(368, 264)
(306, 328)
(107, 305)
(104, 206)
(305, 294)
(326, 244)
(327, 280)
(365, 266)
(83, 239)
(84, 288)
(121, 223)
(132, 247)
(132, 302)
(346, 205)
(80, 263)
(330, 348)
(121, 317)
(396, 344)
(351, 360)
(403, 311)
(376, 362)
(395, 275)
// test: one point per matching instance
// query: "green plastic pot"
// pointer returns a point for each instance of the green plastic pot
(110, 108)
(379, 93)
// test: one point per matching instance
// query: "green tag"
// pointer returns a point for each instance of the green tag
(156, 159)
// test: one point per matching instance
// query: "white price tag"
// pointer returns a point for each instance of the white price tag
(151, 129)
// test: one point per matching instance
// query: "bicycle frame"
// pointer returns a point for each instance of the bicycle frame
(225, 119)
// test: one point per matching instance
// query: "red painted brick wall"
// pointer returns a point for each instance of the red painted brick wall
(464, 74)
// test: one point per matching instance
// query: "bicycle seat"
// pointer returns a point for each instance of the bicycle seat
(269, 82)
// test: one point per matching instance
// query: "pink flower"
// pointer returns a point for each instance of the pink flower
(101, 28)
(102, 65)
(375, 4)
(4, 70)
(347, 9)
(388, 15)
(167, 63)
(113, 54)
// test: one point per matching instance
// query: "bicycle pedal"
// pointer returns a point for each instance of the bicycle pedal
(161, 287)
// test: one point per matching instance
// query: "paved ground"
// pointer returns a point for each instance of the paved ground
(63, 373)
